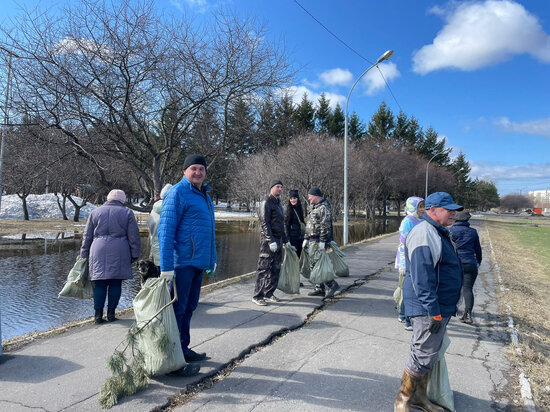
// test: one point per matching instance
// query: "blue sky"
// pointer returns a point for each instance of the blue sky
(477, 71)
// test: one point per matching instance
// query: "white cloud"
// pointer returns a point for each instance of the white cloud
(297, 92)
(500, 173)
(480, 34)
(373, 80)
(539, 127)
(339, 77)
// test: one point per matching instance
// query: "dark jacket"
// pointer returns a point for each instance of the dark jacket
(434, 273)
(293, 228)
(272, 220)
(186, 229)
(111, 239)
(467, 242)
(319, 223)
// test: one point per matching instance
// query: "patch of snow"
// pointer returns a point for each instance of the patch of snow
(40, 206)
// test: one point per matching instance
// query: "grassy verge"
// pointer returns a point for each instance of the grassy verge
(522, 251)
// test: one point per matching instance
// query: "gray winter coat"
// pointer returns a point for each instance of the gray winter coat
(110, 241)
(153, 224)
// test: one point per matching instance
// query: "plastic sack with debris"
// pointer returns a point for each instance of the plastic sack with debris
(78, 284)
(323, 271)
(305, 269)
(289, 279)
(159, 340)
(341, 268)
(439, 388)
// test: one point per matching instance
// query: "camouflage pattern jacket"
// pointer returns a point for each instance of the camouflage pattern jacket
(319, 224)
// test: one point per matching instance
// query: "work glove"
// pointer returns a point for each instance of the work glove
(210, 272)
(288, 244)
(168, 275)
(273, 246)
(402, 271)
(133, 259)
(321, 245)
(305, 243)
(435, 324)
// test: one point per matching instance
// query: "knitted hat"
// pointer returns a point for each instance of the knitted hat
(194, 159)
(293, 193)
(117, 194)
(315, 191)
(462, 216)
(275, 182)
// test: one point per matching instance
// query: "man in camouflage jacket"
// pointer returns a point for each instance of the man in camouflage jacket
(319, 233)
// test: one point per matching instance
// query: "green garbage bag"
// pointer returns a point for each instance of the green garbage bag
(159, 340)
(439, 388)
(305, 268)
(398, 292)
(323, 271)
(289, 279)
(341, 268)
(78, 284)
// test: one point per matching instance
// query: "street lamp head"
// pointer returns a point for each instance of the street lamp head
(386, 56)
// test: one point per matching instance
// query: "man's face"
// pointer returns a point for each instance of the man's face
(313, 199)
(195, 174)
(276, 190)
(444, 217)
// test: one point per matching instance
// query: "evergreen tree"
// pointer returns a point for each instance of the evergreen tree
(382, 124)
(463, 191)
(430, 146)
(322, 114)
(407, 131)
(284, 115)
(241, 128)
(356, 128)
(305, 115)
(485, 194)
(267, 125)
(336, 122)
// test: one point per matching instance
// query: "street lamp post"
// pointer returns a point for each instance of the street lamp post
(427, 167)
(387, 55)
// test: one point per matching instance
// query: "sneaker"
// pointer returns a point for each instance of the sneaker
(400, 319)
(408, 327)
(273, 298)
(191, 369)
(259, 301)
(317, 292)
(468, 318)
(332, 289)
(193, 356)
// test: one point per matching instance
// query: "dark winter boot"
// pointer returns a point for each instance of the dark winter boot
(408, 386)
(98, 316)
(420, 400)
(111, 314)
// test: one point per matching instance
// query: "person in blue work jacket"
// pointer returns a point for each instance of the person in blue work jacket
(431, 291)
(469, 251)
(187, 243)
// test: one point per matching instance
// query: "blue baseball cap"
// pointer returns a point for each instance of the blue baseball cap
(442, 199)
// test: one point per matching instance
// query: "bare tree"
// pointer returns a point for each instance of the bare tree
(121, 82)
(515, 202)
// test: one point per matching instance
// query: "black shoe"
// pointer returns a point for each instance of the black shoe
(332, 289)
(301, 284)
(98, 317)
(317, 292)
(193, 356)
(468, 318)
(273, 298)
(111, 315)
(191, 369)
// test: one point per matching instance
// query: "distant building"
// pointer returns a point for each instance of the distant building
(541, 199)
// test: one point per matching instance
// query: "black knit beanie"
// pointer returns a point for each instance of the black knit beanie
(194, 159)
(275, 182)
(293, 193)
(315, 191)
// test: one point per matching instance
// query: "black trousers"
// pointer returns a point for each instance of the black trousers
(269, 269)
(469, 276)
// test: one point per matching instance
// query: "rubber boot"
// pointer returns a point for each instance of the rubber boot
(408, 386)
(420, 400)
(111, 314)
(98, 317)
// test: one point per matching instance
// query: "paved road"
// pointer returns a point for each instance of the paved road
(347, 354)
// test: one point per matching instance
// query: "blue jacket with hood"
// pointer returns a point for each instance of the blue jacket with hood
(434, 273)
(186, 229)
(467, 243)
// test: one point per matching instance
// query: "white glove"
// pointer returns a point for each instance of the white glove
(321, 245)
(273, 246)
(304, 243)
(168, 275)
(402, 271)
(288, 244)
(210, 272)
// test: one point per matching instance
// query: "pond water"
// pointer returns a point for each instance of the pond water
(33, 269)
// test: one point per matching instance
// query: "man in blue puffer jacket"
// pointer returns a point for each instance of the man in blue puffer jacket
(431, 290)
(187, 243)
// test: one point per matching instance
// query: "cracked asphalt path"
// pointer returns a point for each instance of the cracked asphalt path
(349, 356)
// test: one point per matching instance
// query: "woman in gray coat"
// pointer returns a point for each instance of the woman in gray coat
(111, 243)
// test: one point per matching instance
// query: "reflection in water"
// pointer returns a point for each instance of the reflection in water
(33, 271)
